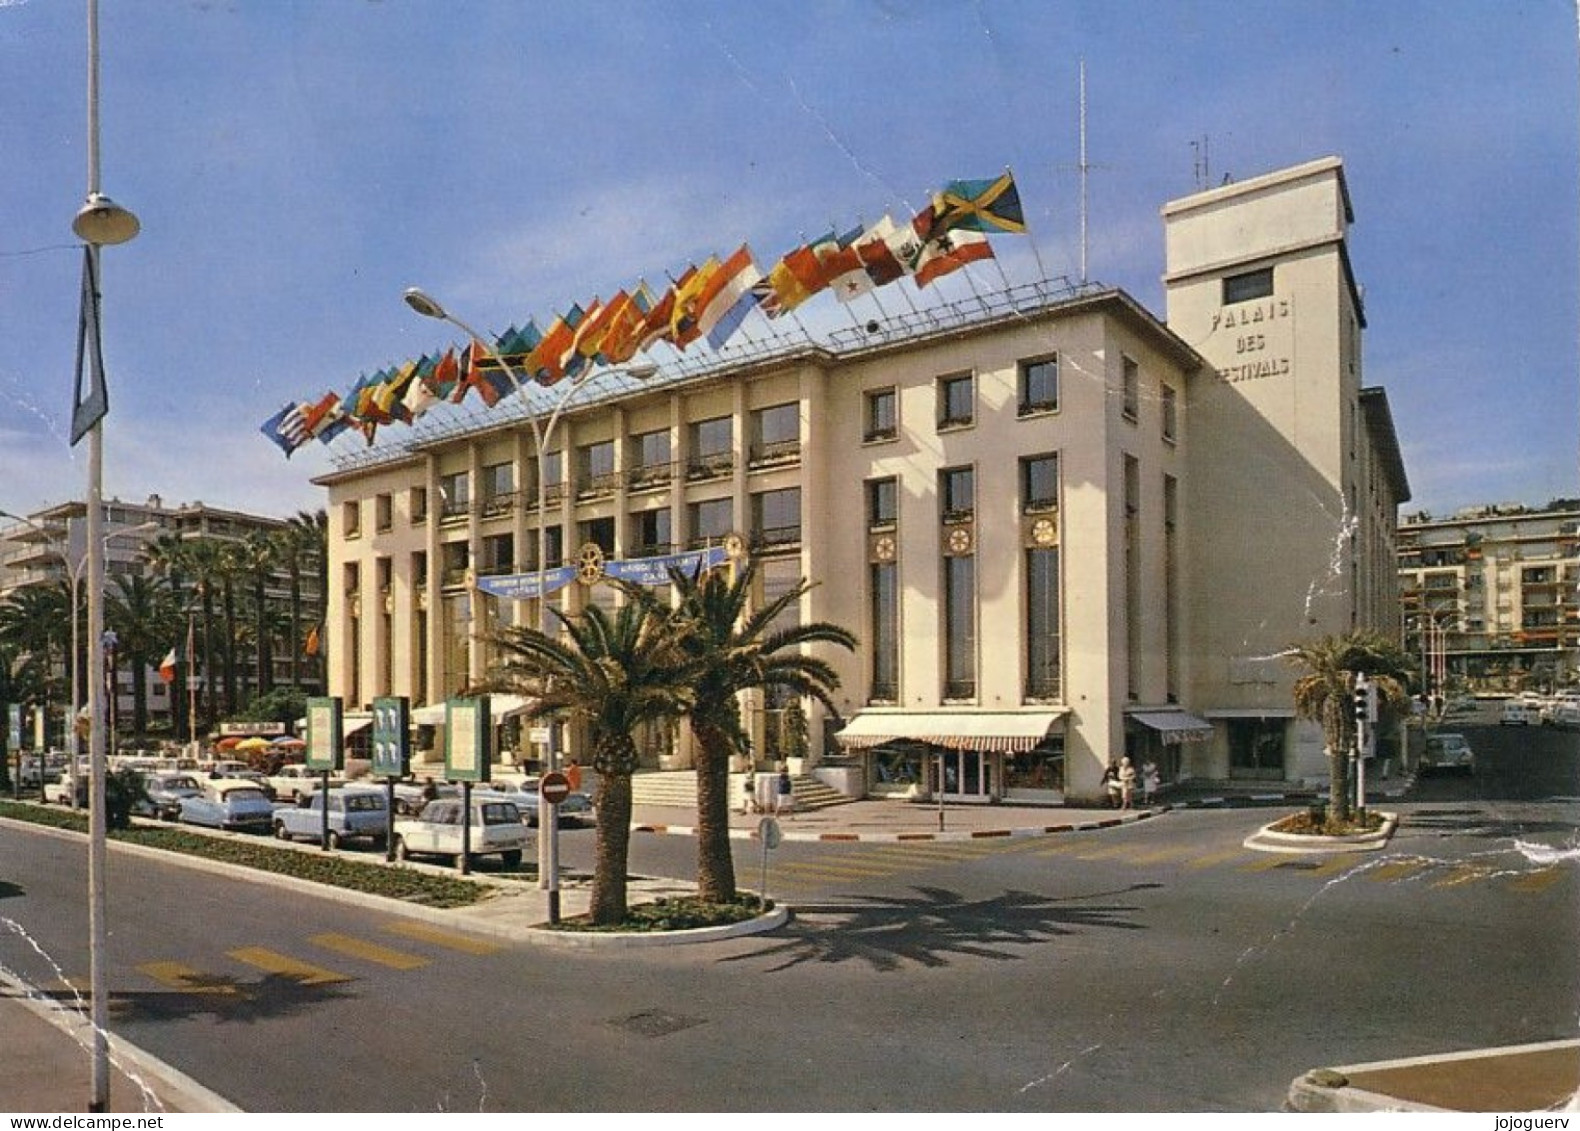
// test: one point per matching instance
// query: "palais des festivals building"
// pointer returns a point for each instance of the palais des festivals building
(1063, 529)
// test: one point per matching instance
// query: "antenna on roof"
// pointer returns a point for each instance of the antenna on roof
(1201, 163)
(1085, 168)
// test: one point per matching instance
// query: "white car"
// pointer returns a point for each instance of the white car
(576, 809)
(497, 829)
(1446, 751)
(1519, 713)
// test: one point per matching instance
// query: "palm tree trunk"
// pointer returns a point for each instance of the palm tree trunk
(1334, 731)
(715, 862)
(611, 850)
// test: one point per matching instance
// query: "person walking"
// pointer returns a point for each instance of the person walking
(749, 796)
(573, 775)
(1150, 781)
(1127, 782)
(1111, 784)
(784, 800)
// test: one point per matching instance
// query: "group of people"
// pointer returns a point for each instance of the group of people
(1120, 780)
(783, 793)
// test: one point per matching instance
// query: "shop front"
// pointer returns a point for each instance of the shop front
(968, 758)
(1158, 738)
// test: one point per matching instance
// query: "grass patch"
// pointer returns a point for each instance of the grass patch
(322, 868)
(1319, 823)
(675, 913)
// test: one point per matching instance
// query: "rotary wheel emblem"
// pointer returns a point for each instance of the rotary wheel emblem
(1043, 531)
(959, 540)
(589, 563)
(734, 546)
(883, 549)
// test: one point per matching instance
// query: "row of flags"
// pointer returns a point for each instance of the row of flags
(167, 666)
(708, 302)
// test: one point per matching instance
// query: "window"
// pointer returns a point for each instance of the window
(1039, 385)
(599, 531)
(419, 569)
(1132, 550)
(711, 521)
(383, 512)
(351, 518)
(1170, 411)
(456, 492)
(960, 665)
(499, 479)
(456, 560)
(956, 494)
(1039, 483)
(650, 459)
(776, 517)
(776, 433)
(884, 619)
(956, 400)
(419, 505)
(883, 503)
(712, 448)
(1042, 623)
(882, 415)
(1247, 286)
(595, 468)
(499, 554)
(650, 534)
(1130, 403)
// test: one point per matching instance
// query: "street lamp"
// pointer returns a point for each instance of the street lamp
(99, 223)
(549, 826)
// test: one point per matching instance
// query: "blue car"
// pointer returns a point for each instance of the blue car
(229, 803)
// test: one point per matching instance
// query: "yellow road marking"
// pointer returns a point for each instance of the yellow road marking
(1269, 861)
(417, 930)
(1397, 870)
(370, 952)
(1463, 874)
(1106, 853)
(273, 962)
(1540, 880)
(1157, 855)
(809, 869)
(1216, 858)
(188, 979)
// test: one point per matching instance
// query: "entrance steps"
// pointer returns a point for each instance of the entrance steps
(678, 788)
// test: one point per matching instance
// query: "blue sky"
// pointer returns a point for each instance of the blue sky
(296, 165)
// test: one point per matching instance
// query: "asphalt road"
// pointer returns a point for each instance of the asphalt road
(1158, 966)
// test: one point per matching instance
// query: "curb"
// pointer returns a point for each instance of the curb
(1267, 839)
(908, 836)
(577, 940)
(1335, 1091)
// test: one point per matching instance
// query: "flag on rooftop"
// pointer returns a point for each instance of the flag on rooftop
(734, 278)
(949, 252)
(286, 428)
(979, 206)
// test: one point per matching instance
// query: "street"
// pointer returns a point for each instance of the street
(1158, 966)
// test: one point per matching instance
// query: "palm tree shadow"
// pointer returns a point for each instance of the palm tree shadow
(936, 926)
(223, 998)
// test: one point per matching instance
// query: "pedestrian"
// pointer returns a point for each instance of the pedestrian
(784, 801)
(1127, 782)
(749, 796)
(1149, 780)
(573, 775)
(1111, 784)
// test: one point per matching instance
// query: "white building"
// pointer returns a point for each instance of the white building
(1062, 529)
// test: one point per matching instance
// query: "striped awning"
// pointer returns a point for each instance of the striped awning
(500, 706)
(1174, 727)
(991, 732)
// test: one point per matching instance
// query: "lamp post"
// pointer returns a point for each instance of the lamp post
(99, 222)
(549, 822)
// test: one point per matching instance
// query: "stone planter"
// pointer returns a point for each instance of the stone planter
(1267, 839)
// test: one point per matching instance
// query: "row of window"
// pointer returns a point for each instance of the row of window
(1039, 491)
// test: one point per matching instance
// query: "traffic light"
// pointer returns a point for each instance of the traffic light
(1363, 699)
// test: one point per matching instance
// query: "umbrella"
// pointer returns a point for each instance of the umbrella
(252, 744)
(286, 742)
(229, 742)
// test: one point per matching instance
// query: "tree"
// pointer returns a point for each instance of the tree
(35, 626)
(142, 612)
(308, 537)
(613, 672)
(1324, 694)
(257, 558)
(734, 648)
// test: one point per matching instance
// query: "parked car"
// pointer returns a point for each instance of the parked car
(576, 809)
(409, 799)
(162, 794)
(497, 828)
(60, 790)
(1519, 713)
(294, 781)
(1567, 714)
(353, 814)
(1448, 752)
(229, 803)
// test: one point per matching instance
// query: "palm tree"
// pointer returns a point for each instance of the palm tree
(736, 649)
(1324, 694)
(313, 531)
(35, 624)
(143, 613)
(257, 559)
(200, 560)
(296, 544)
(613, 672)
(167, 558)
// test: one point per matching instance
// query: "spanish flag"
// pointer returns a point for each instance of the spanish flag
(311, 647)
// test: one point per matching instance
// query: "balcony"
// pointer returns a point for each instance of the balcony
(598, 486)
(650, 477)
(710, 466)
(771, 538)
(650, 550)
(500, 503)
(776, 454)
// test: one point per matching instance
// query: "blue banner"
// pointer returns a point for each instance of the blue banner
(637, 571)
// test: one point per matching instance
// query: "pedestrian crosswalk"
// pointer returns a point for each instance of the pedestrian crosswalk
(324, 959)
(872, 861)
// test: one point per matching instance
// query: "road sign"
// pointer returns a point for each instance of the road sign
(554, 788)
(768, 832)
